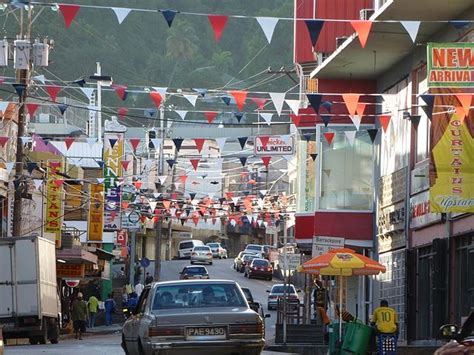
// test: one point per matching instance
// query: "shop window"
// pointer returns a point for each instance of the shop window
(424, 327)
(464, 277)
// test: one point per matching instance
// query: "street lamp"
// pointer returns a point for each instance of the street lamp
(102, 80)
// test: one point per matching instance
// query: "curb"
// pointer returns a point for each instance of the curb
(88, 334)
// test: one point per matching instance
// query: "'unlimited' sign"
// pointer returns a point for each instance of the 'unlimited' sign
(450, 65)
(276, 145)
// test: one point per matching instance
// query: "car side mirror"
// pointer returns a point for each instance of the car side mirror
(267, 315)
(448, 331)
(268, 291)
(298, 290)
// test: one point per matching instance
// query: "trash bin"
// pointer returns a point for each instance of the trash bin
(356, 338)
(334, 343)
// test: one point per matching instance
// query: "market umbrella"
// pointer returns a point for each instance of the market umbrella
(341, 262)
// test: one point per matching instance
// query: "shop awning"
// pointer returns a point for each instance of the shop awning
(101, 253)
(76, 256)
(389, 43)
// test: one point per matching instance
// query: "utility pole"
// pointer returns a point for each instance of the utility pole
(99, 102)
(159, 224)
(133, 241)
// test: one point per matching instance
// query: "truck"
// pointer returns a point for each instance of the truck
(29, 301)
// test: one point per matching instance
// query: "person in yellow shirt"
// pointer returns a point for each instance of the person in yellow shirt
(92, 307)
(385, 319)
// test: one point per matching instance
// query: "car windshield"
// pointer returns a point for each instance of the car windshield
(260, 263)
(247, 293)
(203, 248)
(281, 288)
(213, 245)
(195, 270)
(186, 245)
(248, 257)
(197, 296)
(254, 247)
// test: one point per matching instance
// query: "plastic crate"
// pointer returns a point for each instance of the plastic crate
(387, 344)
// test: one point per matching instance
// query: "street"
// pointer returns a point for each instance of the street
(107, 344)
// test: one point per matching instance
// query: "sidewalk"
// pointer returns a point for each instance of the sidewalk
(98, 330)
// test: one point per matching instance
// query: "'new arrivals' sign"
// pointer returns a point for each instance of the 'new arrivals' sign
(450, 65)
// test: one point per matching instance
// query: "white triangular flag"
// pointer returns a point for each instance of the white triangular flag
(9, 166)
(278, 99)
(91, 141)
(294, 105)
(40, 78)
(355, 120)
(25, 140)
(100, 180)
(148, 163)
(156, 142)
(156, 194)
(268, 26)
(162, 179)
(191, 98)
(153, 205)
(350, 135)
(221, 142)
(263, 192)
(37, 183)
(181, 113)
(4, 105)
(235, 200)
(176, 185)
(412, 28)
(161, 90)
(88, 92)
(121, 13)
(173, 211)
(260, 203)
(267, 117)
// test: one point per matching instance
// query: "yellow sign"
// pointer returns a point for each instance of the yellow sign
(96, 212)
(54, 201)
(452, 166)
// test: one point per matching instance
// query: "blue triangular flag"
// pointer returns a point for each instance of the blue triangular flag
(177, 142)
(314, 101)
(326, 119)
(307, 136)
(201, 92)
(226, 100)
(19, 88)
(313, 156)
(192, 195)
(239, 116)
(150, 112)
(243, 160)
(314, 29)
(31, 166)
(372, 134)
(459, 24)
(171, 162)
(112, 142)
(169, 16)
(80, 82)
(62, 108)
(101, 164)
(242, 141)
(429, 100)
(327, 105)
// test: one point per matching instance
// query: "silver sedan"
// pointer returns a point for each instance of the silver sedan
(193, 317)
(201, 254)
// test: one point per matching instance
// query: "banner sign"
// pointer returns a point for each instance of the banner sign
(54, 201)
(95, 226)
(276, 145)
(112, 156)
(420, 213)
(322, 245)
(452, 164)
(450, 65)
(70, 270)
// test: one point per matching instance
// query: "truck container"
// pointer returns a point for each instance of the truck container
(29, 301)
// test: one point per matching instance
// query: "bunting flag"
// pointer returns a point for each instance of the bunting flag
(384, 122)
(134, 142)
(177, 143)
(264, 140)
(69, 12)
(169, 16)
(307, 137)
(326, 119)
(9, 167)
(313, 156)
(125, 164)
(192, 98)
(278, 99)
(350, 136)
(199, 143)
(351, 101)
(267, 117)
(465, 100)
(138, 184)
(19, 88)
(429, 100)
(120, 90)
(150, 113)
(294, 105)
(171, 162)
(40, 78)
(412, 28)
(122, 112)
(459, 24)
(218, 23)
(181, 113)
(221, 143)
(329, 136)
(38, 183)
(112, 142)
(415, 121)
(192, 195)
(58, 182)
(31, 108)
(161, 90)
(4, 106)
(362, 29)
(327, 105)
(355, 120)
(157, 142)
(266, 161)
(314, 29)
(211, 116)
(240, 97)
(68, 141)
(268, 25)
(226, 100)
(259, 101)
(121, 13)
(243, 160)
(314, 101)
(295, 119)
(183, 178)
(156, 97)
(53, 91)
(361, 108)
(3, 141)
(162, 179)
(80, 82)
(372, 134)
(239, 116)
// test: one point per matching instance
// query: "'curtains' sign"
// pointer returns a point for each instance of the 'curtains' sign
(54, 201)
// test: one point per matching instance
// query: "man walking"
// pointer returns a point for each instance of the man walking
(148, 279)
(93, 306)
(385, 319)
(79, 315)
(109, 308)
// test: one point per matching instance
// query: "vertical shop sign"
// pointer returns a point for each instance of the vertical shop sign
(96, 213)
(54, 201)
(113, 153)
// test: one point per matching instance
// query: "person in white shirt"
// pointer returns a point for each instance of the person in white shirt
(139, 289)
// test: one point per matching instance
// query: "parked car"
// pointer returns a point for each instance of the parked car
(238, 259)
(202, 254)
(461, 340)
(2, 344)
(246, 259)
(194, 272)
(218, 251)
(259, 268)
(186, 317)
(263, 251)
(185, 247)
(277, 292)
(253, 304)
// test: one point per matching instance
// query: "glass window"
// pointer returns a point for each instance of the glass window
(204, 248)
(306, 177)
(260, 262)
(186, 245)
(346, 171)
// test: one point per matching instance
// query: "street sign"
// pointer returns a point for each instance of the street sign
(322, 245)
(131, 221)
(145, 262)
(72, 283)
(291, 263)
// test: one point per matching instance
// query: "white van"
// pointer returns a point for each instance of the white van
(186, 246)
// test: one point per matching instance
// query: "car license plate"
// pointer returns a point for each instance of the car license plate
(207, 333)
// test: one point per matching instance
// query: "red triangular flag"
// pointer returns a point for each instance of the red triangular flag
(138, 184)
(3, 141)
(68, 141)
(156, 97)
(218, 23)
(166, 204)
(134, 142)
(69, 12)
(195, 163)
(183, 178)
(239, 97)
(53, 91)
(196, 220)
(259, 101)
(32, 108)
(122, 111)
(329, 137)
(351, 101)
(125, 204)
(465, 101)
(363, 29)
(229, 195)
(295, 119)
(264, 140)
(361, 108)
(125, 164)
(211, 116)
(384, 121)
(121, 90)
(58, 182)
(266, 161)
(199, 143)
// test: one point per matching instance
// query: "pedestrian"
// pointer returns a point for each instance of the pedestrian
(79, 315)
(138, 274)
(93, 306)
(148, 279)
(385, 319)
(109, 309)
(139, 289)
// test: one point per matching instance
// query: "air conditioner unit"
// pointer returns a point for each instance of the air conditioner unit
(365, 14)
(340, 41)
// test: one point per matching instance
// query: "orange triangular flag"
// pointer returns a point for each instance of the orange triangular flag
(465, 101)
(166, 204)
(183, 178)
(156, 97)
(125, 204)
(194, 163)
(199, 143)
(351, 101)
(138, 184)
(363, 29)
(239, 97)
(384, 121)
(361, 108)
(211, 116)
